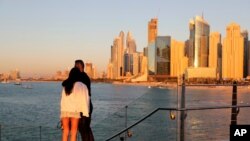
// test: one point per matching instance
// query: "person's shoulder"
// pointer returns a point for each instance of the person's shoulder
(85, 75)
(80, 85)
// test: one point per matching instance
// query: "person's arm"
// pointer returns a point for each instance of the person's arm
(89, 86)
(82, 98)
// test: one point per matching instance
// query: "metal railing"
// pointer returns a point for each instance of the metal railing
(173, 109)
(234, 110)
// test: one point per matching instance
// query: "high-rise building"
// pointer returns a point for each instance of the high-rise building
(151, 58)
(140, 62)
(215, 52)
(198, 42)
(246, 53)
(248, 58)
(15, 74)
(179, 62)
(135, 63)
(232, 53)
(130, 43)
(162, 45)
(114, 57)
(186, 48)
(145, 51)
(117, 55)
(152, 30)
(128, 64)
(159, 56)
(110, 71)
(120, 54)
(89, 69)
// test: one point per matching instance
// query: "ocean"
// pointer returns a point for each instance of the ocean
(30, 112)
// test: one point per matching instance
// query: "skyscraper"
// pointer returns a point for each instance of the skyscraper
(246, 53)
(198, 42)
(114, 57)
(179, 61)
(232, 53)
(120, 54)
(151, 58)
(135, 63)
(130, 43)
(117, 55)
(128, 64)
(145, 51)
(248, 58)
(162, 45)
(89, 69)
(215, 52)
(152, 30)
(110, 70)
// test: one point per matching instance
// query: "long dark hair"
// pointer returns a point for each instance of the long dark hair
(74, 76)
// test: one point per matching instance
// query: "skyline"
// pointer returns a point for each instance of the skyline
(65, 31)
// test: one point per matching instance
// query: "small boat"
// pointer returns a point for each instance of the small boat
(149, 87)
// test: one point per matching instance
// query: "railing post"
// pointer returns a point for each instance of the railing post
(234, 111)
(126, 119)
(40, 130)
(182, 118)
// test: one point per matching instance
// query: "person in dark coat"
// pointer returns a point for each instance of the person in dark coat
(84, 122)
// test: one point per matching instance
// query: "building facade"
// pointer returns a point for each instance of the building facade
(152, 30)
(130, 43)
(232, 53)
(89, 69)
(215, 52)
(179, 62)
(151, 59)
(246, 53)
(162, 45)
(248, 58)
(198, 42)
(117, 56)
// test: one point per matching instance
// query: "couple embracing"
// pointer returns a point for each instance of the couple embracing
(76, 105)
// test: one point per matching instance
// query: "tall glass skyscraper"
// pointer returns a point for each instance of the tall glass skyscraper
(198, 42)
(128, 63)
(163, 55)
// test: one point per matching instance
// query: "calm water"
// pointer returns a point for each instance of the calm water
(23, 111)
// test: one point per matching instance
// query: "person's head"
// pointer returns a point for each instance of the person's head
(80, 65)
(74, 76)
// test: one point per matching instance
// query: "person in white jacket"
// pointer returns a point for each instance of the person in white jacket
(74, 100)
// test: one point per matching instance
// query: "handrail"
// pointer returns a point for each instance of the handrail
(207, 85)
(174, 109)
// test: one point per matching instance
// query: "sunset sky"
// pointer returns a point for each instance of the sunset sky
(39, 37)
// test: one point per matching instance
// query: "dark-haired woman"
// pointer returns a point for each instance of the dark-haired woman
(75, 100)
